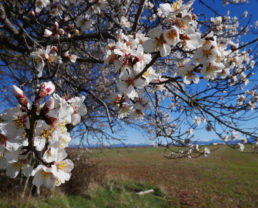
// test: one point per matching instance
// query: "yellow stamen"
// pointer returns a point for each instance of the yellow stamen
(63, 142)
(211, 69)
(62, 126)
(147, 73)
(190, 74)
(58, 182)
(62, 165)
(160, 41)
(18, 165)
(45, 174)
(51, 59)
(49, 153)
(206, 53)
(19, 122)
(46, 133)
(171, 35)
(218, 58)
(176, 5)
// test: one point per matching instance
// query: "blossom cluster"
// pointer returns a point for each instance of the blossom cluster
(129, 60)
(208, 57)
(50, 54)
(162, 47)
(33, 136)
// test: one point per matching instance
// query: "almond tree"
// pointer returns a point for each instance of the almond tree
(157, 65)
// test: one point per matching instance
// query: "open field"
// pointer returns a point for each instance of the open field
(112, 178)
(226, 178)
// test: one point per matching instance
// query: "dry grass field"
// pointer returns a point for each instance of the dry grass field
(226, 178)
(111, 178)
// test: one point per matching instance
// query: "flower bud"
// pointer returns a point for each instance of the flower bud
(76, 32)
(48, 106)
(51, 120)
(54, 48)
(17, 91)
(19, 94)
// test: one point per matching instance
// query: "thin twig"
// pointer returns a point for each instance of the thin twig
(138, 14)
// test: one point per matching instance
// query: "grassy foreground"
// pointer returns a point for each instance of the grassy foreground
(114, 194)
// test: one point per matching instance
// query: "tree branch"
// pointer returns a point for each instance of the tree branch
(138, 14)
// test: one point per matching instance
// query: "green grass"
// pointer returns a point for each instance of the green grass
(114, 194)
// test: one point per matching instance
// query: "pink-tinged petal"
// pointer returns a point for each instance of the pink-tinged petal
(47, 88)
(50, 104)
(52, 121)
